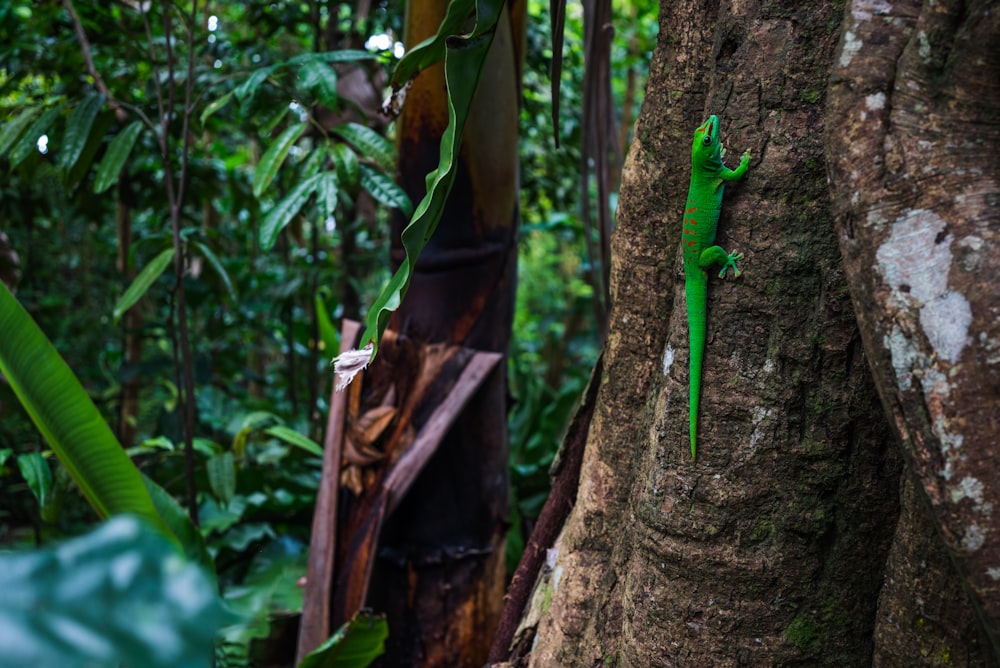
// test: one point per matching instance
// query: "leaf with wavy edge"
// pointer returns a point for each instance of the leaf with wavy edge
(433, 49)
(463, 58)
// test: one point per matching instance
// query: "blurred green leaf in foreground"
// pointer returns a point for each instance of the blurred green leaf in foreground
(121, 594)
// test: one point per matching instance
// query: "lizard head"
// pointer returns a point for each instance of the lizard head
(706, 147)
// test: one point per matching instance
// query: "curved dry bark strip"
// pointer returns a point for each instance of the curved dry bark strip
(914, 130)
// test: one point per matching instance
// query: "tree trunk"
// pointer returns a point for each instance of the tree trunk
(440, 574)
(924, 616)
(769, 549)
(128, 409)
(913, 130)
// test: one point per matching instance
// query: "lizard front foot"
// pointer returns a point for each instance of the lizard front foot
(745, 158)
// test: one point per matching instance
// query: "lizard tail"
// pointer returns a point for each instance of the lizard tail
(695, 291)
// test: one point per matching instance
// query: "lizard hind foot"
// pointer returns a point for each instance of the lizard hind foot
(731, 260)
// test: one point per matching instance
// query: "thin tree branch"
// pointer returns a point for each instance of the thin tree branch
(188, 96)
(156, 72)
(168, 41)
(88, 59)
(81, 37)
(175, 201)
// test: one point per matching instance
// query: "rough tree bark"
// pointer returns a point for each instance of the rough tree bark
(780, 545)
(913, 131)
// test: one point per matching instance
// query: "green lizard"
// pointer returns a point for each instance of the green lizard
(701, 216)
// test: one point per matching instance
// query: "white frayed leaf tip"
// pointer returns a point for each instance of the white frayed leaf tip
(349, 363)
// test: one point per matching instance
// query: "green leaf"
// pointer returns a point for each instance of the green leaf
(313, 162)
(68, 419)
(326, 194)
(277, 568)
(206, 446)
(159, 442)
(276, 153)
(256, 419)
(213, 518)
(115, 157)
(215, 105)
(221, 471)
(369, 143)
(329, 337)
(269, 122)
(463, 62)
(120, 595)
(216, 264)
(282, 213)
(268, 591)
(433, 49)
(355, 644)
(12, 130)
(142, 282)
(293, 437)
(346, 162)
(36, 472)
(179, 522)
(51, 510)
(28, 143)
(385, 190)
(78, 127)
(241, 536)
(249, 87)
(103, 123)
(321, 80)
(341, 56)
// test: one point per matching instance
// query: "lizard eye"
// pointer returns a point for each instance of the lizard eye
(707, 140)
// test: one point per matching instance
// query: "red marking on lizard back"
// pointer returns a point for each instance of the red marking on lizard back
(692, 209)
(692, 243)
